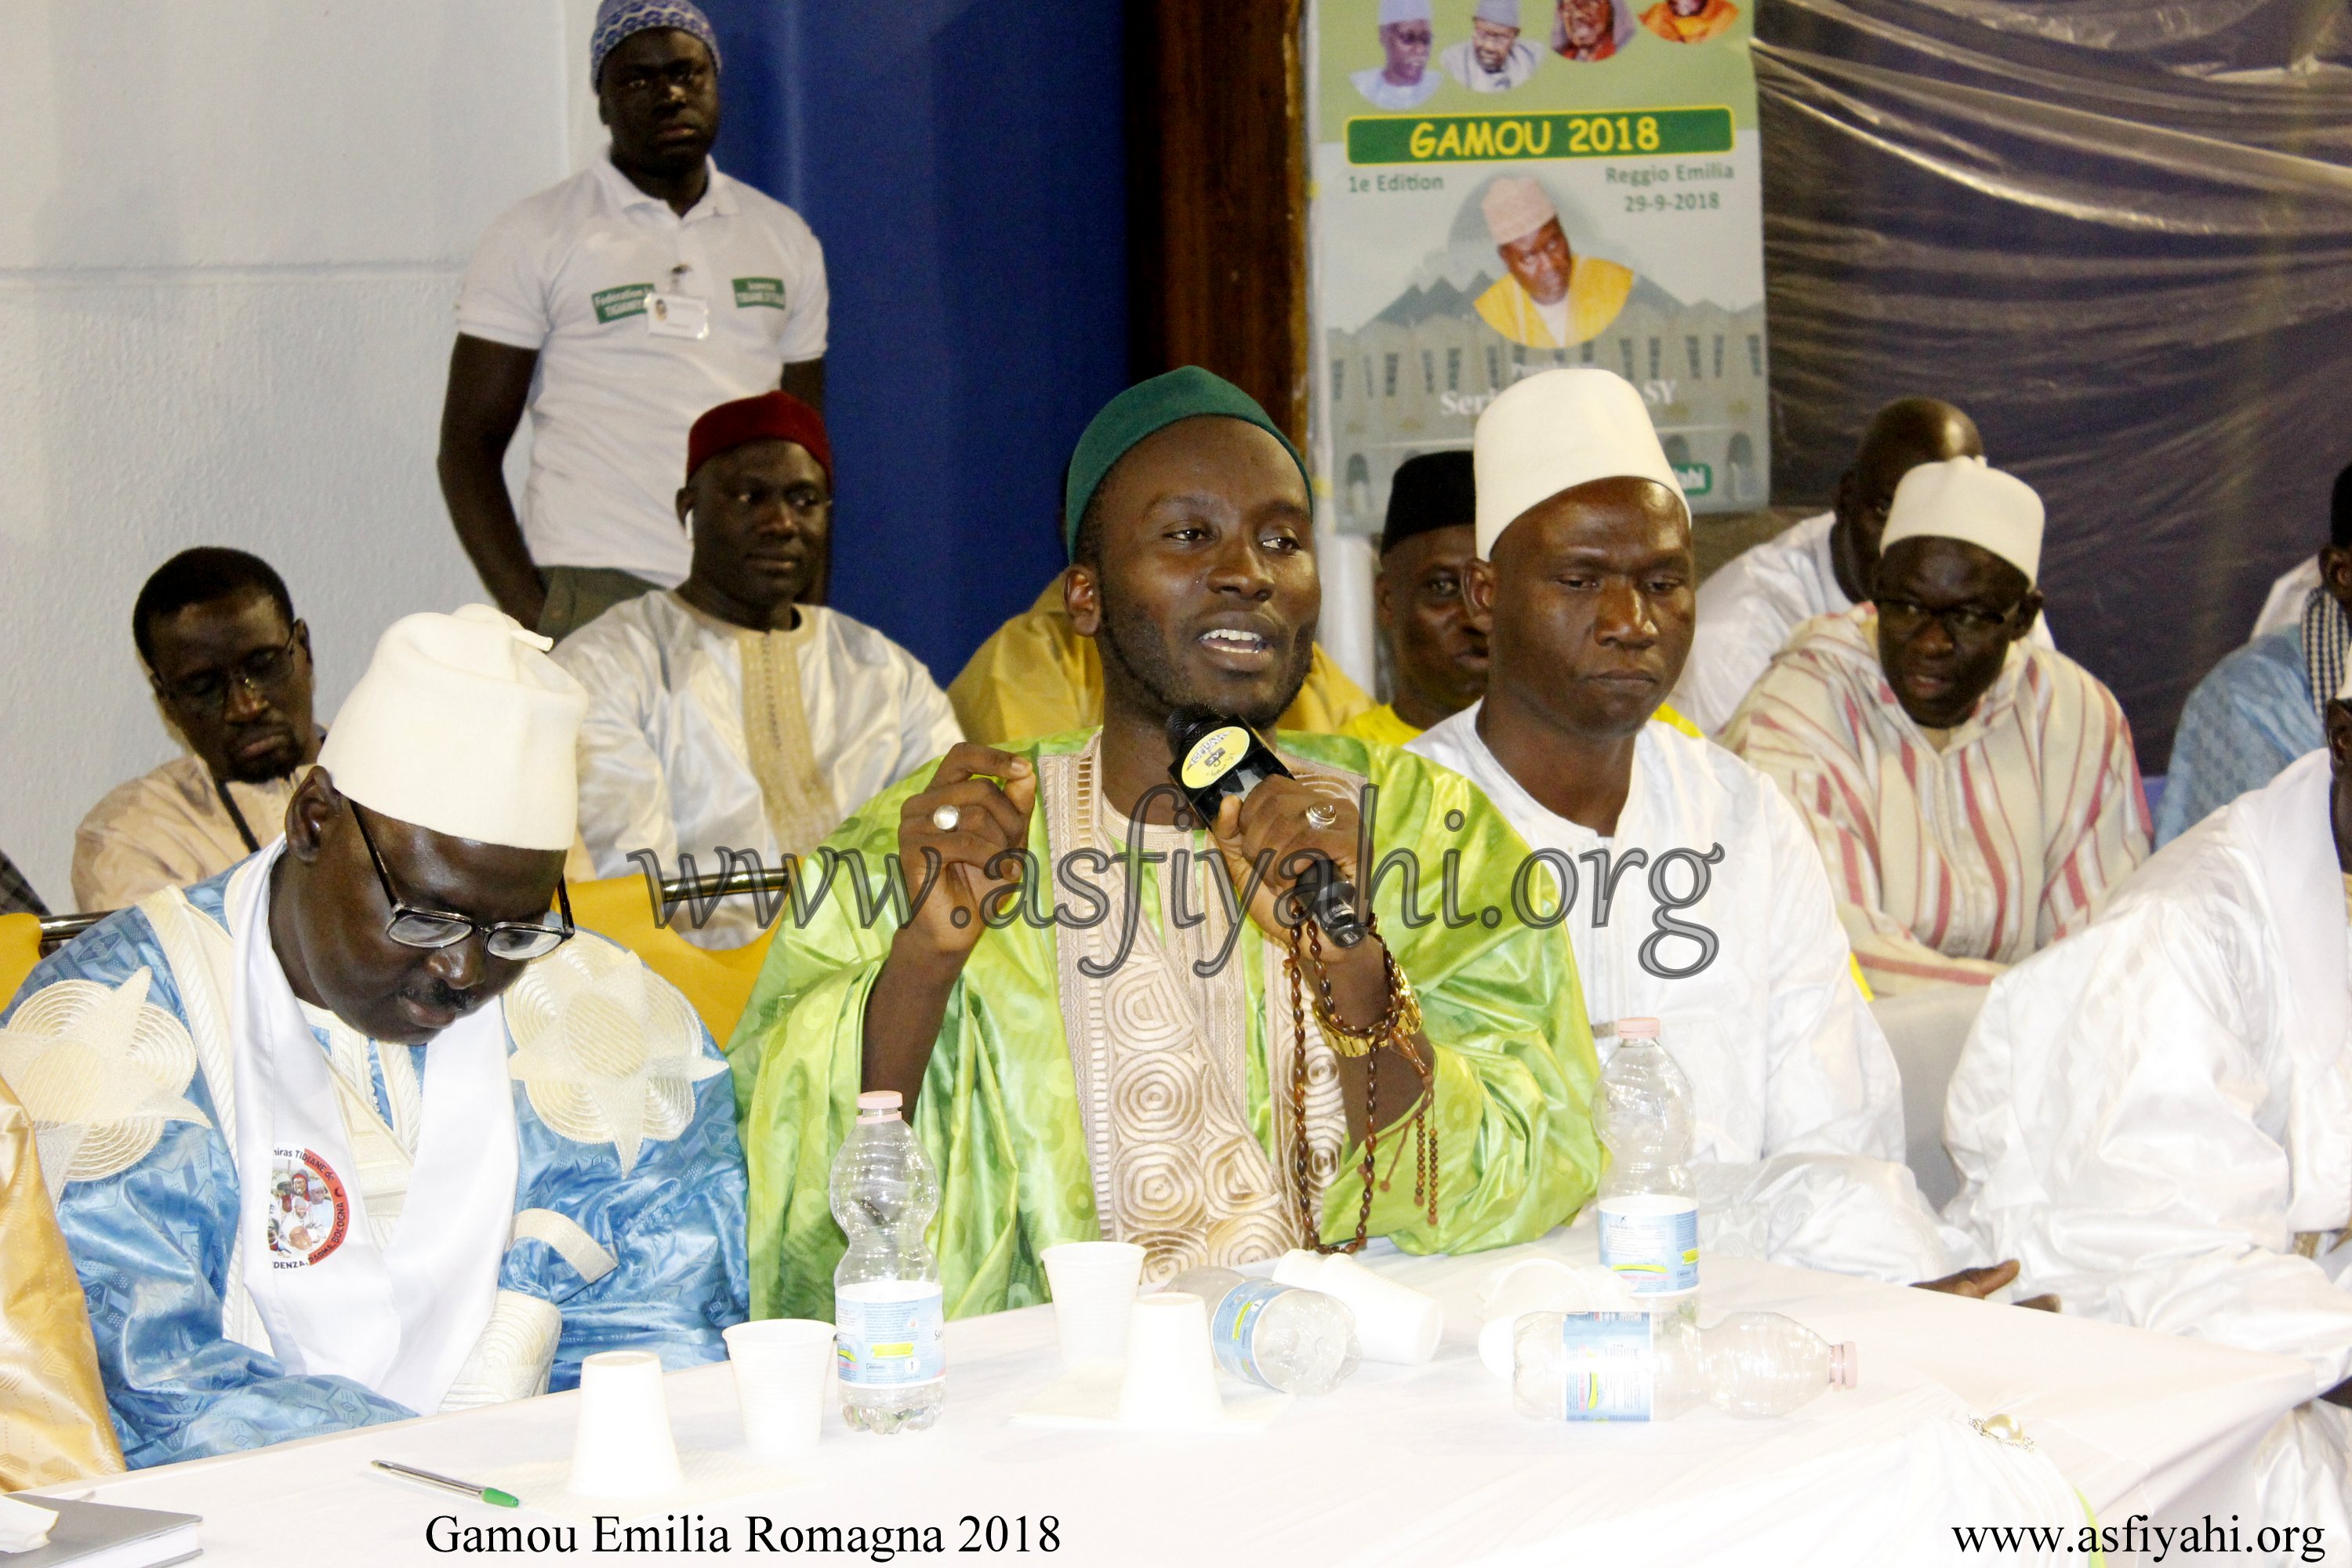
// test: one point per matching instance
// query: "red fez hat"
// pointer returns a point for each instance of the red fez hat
(770, 416)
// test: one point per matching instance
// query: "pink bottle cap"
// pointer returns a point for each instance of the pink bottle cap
(879, 1104)
(1844, 1374)
(1637, 1028)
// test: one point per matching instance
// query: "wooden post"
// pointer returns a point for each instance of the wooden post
(1217, 196)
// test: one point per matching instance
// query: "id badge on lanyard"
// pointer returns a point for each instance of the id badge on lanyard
(673, 314)
(678, 316)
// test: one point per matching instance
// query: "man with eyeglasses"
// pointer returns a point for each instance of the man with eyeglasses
(1548, 297)
(1821, 566)
(1492, 59)
(1974, 794)
(616, 306)
(1402, 79)
(364, 1128)
(727, 712)
(230, 667)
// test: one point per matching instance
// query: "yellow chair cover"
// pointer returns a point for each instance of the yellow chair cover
(717, 982)
(20, 949)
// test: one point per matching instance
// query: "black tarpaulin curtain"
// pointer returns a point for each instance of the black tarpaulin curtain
(2120, 235)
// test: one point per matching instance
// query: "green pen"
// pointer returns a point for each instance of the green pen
(490, 1495)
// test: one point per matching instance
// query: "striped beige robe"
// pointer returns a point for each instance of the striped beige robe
(1950, 866)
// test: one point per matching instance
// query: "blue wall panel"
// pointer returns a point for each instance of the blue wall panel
(964, 165)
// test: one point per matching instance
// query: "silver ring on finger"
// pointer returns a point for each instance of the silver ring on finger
(1322, 815)
(945, 817)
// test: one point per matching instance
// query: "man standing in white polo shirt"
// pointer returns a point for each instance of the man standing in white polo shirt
(617, 306)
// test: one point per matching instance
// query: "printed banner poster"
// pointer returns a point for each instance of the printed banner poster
(1500, 187)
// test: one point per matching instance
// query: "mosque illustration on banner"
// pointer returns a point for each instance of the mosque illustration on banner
(1509, 296)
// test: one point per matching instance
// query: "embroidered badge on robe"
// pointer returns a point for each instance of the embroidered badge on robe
(100, 1069)
(607, 1053)
(310, 1212)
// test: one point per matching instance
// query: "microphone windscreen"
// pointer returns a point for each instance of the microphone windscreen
(1187, 724)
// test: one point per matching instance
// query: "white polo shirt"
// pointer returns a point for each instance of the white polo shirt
(568, 273)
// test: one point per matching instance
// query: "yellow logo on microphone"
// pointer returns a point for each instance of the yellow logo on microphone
(1213, 754)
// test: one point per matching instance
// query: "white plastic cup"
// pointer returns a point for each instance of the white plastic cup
(781, 1367)
(1299, 1268)
(1094, 1285)
(1393, 1322)
(1170, 1383)
(624, 1448)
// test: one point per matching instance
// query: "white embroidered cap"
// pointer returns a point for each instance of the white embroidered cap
(462, 724)
(1556, 430)
(1403, 11)
(1501, 12)
(1963, 498)
(1514, 207)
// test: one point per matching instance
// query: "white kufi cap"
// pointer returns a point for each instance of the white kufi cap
(1556, 430)
(1962, 499)
(1403, 11)
(463, 725)
(1501, 12)
(1515, 206)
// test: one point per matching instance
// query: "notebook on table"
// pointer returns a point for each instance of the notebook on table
(102, 1535)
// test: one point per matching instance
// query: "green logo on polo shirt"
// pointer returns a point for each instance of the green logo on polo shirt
(628, 299)
(751, 291)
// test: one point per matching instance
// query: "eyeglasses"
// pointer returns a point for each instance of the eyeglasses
(261, 672)
(1960, 620)
(513, 941)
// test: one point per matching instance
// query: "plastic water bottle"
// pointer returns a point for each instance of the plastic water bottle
(1648, 1208)
(1277, 1336)
(1645, 1366)
(889, 1322)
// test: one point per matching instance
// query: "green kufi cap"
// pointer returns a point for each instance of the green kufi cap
(1145, 409)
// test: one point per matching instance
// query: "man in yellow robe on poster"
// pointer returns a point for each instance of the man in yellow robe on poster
(1550, 298)
(1690, 21)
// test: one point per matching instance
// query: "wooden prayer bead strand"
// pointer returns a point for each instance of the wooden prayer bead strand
(1399, 1018)
(1398, 1022)
(1424, 1134)
(1307, 1208)
(1301, 1164)
(1371, 1149)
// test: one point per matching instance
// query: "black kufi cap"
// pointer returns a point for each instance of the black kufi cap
(1432, 491)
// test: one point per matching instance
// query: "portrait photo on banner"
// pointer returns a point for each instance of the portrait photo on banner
(1583, 31)
(1482, 212)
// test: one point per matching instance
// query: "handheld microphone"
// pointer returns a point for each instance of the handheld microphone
(1215, 756)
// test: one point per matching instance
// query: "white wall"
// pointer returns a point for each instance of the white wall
(232, 241)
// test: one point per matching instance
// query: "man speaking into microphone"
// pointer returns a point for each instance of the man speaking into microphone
(1109, 1019)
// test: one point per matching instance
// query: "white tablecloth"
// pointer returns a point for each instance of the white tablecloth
(1420, 1464)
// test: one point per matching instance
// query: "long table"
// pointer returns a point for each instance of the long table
(1402, 1465)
